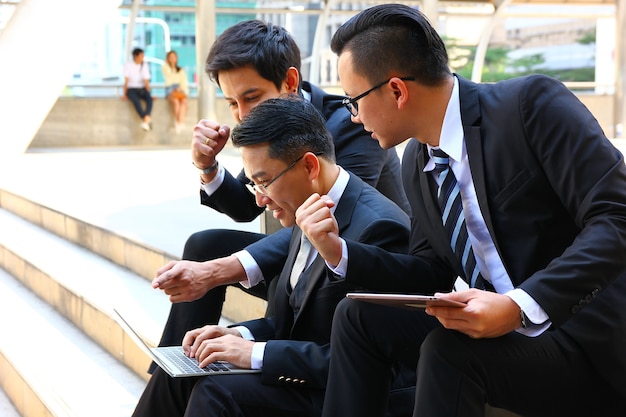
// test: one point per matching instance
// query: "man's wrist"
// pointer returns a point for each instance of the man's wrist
(206, 171)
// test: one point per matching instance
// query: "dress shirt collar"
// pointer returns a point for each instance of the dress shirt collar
(336, 191)
(451, 138)
(305, 94)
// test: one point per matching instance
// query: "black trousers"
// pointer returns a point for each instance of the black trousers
(136, 96)
(546, 375)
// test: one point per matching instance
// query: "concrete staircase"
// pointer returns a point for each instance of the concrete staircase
(61, 351)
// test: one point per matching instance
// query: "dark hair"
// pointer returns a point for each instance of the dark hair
(167, 62)
(290, 125)
(266, 47)
(393, 40)
(137, 51)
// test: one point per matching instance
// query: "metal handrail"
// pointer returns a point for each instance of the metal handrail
(157, 89)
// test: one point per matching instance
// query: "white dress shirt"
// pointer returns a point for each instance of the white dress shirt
(136, 74)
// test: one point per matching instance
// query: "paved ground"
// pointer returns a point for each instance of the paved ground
(151, 195)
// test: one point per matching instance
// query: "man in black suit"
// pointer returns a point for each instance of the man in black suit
(251, 62)
(288, 154)
(543, 193)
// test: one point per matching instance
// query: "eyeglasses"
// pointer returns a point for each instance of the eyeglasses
(262, 187)
(351, 103)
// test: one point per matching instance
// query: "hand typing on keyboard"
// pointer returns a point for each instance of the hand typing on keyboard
(211, 343)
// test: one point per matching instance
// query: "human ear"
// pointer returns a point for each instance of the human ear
(400, 91)
(292, 80)
(312, 165)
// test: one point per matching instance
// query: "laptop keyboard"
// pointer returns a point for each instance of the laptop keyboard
(190, 365)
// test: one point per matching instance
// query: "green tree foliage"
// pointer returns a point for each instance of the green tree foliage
(498, 66)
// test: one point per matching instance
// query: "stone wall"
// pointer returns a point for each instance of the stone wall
(87, 122)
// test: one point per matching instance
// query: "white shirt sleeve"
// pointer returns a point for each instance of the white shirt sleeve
(258, 350)
(341, 269)
(533, 311)
(145, 71)
(212, 186)
(253, 272)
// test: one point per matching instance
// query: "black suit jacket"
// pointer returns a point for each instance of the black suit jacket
(297, 351)
(552, 191)
(355, 151)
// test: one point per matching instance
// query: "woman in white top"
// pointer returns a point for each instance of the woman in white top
(176, 89)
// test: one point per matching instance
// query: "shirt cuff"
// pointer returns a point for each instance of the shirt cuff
(258, 351)
(212, 186)
(253, 272)
(536, 314)
(341, 269)
(244, 332)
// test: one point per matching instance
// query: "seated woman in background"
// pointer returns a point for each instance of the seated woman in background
(176, 89)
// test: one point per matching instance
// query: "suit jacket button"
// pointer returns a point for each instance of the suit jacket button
(288, 380)
(302, 381)
(575, 309)
(281, 378)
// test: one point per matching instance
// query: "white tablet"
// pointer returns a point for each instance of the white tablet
(404, 300)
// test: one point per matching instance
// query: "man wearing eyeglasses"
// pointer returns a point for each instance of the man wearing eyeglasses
(519, 192)
(251, 62)
(288, 154)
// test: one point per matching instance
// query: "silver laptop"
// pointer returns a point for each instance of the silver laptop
(174, 361)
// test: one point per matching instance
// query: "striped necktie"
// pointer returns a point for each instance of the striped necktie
(449, 199)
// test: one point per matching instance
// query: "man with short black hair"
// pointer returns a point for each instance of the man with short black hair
(517, 190)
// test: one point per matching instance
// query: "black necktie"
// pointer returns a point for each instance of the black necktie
(453, 219)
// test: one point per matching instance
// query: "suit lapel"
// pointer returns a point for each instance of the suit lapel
(283, 311)
(470, 114)
(429, 193)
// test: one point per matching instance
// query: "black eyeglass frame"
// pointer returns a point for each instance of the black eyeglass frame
(350, 103)
(262, 187)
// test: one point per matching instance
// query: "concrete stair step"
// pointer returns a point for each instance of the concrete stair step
(62, 297)
(7, 409)
(82, 286)
(51, 368)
